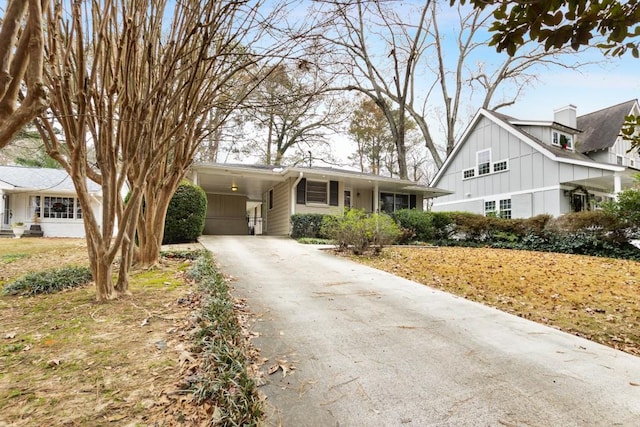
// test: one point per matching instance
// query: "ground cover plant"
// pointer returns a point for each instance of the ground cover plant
(67, 360)
(593, 297)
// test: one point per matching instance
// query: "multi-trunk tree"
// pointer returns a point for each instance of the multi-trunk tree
(135, 82)
(22, 94)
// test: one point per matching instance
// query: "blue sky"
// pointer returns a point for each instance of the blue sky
(593, 88)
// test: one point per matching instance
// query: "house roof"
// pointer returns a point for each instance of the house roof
(253, 180)
(601, 128)
(38, 179)
(509, 124)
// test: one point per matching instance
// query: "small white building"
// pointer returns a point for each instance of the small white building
(45, 197)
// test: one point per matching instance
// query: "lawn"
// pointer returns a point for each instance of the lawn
(596, 298)
(67, 360)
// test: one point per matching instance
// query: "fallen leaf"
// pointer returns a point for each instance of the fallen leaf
(145, 322)
(10, 336)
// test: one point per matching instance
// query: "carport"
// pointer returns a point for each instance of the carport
(235, 196)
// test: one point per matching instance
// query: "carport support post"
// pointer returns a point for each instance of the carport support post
(617, 185)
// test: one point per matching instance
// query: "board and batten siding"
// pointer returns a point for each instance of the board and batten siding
(278, 217)
(532, 180)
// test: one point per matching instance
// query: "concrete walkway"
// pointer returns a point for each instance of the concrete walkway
(372, 349)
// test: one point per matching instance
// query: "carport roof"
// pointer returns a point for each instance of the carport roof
(253, 180)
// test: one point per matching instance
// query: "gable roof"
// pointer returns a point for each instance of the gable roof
(39, 179)
(506, 122)
(601, 128)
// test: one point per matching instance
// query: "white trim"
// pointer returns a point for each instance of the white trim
(522, 137)
(504, 195)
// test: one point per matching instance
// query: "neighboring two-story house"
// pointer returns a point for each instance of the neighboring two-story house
(522, 168)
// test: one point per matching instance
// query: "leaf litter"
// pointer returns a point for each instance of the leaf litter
(592, 297)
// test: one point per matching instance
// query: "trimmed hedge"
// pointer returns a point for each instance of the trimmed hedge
(186, 214)
(307, 225)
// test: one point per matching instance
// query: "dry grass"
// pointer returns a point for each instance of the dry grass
(66, 360)
(596, 298)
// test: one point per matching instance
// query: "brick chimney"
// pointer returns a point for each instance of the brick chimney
(566, 116)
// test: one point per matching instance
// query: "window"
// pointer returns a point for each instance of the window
(468, 173)
(505, 208)
(56, 207)
(270, 199)
(619, 160)
(317, 192)
(391, 202)
(484, 162)
(562, 140)
(490, 208)
(500, 166)
(632, 163)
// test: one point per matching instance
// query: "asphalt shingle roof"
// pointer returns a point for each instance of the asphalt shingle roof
(39, 179)
(600, 129)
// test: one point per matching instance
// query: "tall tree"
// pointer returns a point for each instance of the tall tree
(290, 114)
(395, 54)
(22, 95)
(136, 80)
(370, 131)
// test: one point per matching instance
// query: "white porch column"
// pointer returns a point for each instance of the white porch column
(617, 184)
(376, 198)
(194, 177)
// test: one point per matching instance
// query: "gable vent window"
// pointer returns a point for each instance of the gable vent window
(619, 160)
(500, 166)
(468, 173)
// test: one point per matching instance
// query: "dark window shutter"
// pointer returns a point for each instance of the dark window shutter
(333, 193)
(301, 192)
(412, 201)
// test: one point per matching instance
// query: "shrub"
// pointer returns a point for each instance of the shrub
(50, 281)
(222, 379)
(186, 214)
(472, 227)
(601, 224)
(357, 231)
(442, 224)
(416, 225)
(307, 225)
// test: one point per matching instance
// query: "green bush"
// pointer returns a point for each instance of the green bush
(222, 379)
(626, 209)
(357, 231)
(186, 214)
(50, 281)
(307, 225)
(415, 224)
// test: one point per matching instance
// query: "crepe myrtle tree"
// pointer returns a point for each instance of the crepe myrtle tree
(22, 94)
(132, 86)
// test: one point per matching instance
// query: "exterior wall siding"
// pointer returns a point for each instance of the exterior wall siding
(532, 181)
(278, 218)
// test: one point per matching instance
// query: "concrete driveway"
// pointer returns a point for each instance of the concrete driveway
(372, 349)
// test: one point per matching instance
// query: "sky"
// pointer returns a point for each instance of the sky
(592, 88)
